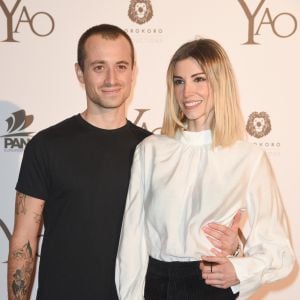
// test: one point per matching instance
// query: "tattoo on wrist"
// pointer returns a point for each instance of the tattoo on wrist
(22, 276)
(20, 204)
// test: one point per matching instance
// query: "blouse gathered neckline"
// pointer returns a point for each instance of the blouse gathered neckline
(200, 138)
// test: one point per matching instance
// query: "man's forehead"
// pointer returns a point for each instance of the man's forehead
(108, 47)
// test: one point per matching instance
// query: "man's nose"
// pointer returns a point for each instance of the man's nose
(110, 78)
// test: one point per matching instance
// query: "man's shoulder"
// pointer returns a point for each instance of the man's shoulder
(66, 124)
(139, 132)
(60, 129)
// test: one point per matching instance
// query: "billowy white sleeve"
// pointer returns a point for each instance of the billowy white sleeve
(268, 254)
(132, 257)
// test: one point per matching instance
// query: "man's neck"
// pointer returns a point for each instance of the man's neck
(105, 121)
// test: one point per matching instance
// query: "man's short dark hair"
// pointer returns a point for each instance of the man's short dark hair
(107, 31)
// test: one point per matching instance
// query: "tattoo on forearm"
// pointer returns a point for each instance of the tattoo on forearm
(23, 253)
(22, 276)
(37, 217)
(20, 204)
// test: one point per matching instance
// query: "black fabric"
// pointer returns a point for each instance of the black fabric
(82, 172)
(180, 281)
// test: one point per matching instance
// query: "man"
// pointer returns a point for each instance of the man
(74, 176)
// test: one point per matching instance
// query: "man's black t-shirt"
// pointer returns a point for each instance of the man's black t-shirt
(82, 172)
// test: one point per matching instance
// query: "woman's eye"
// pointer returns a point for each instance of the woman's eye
(200, 78)
(178, 81)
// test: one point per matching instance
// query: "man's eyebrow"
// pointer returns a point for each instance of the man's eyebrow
(123, 62)
(104, 62)
(98, 62)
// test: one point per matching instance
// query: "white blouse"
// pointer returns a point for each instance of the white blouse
(179, 185)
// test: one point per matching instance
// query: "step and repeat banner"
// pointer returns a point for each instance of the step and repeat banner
(38, 86)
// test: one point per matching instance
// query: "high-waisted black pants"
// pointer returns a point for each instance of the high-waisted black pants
(180, 281)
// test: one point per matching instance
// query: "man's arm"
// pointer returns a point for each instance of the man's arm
(218, 271)
(224, 239)
(23, 246)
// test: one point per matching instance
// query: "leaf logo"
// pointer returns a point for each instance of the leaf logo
(17, 122)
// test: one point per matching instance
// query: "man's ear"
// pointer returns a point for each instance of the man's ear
(79, 73)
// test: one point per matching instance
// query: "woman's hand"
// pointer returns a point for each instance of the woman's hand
(218, 272)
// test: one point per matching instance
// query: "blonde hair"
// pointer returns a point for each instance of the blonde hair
(227, 124)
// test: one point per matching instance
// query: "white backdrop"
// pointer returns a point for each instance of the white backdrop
(38, 41)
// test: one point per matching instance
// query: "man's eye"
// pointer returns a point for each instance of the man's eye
(98, 68)
(123, 67)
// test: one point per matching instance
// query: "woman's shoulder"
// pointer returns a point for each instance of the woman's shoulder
(248, 150)
(158, 142)
(242, 148)
(157, 139)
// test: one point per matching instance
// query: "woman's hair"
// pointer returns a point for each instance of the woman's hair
(227, 124)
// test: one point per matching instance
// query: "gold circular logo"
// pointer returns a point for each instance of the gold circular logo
(259, 124)
(140, 11)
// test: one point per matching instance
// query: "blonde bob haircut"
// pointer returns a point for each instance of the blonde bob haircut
(227, 124)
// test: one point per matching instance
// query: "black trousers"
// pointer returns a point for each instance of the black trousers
(180, 281)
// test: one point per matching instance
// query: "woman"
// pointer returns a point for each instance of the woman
(200, 170)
